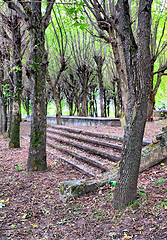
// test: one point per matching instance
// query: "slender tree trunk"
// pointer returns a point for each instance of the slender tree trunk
(84, 99)
(94, 105)
(56, 96)
(139, 73)
(4, 116)
(151, 104)
(10, 107)
(99, 62)
(105, 103)
(108, 107)
(15, 124)
(3, 99)
(70, 104)
(27, 103)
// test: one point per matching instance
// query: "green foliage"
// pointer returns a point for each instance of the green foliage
(143, 194)
(15, 68)
(160, 181)
(19, 167)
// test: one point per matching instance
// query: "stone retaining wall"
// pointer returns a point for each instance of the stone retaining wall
(83, 121)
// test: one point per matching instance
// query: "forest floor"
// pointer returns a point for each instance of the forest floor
(30, 207)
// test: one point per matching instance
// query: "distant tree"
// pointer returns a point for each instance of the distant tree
(158, 61)
(99, 58)
(81, 51)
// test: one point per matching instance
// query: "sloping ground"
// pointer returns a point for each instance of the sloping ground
(31, 208)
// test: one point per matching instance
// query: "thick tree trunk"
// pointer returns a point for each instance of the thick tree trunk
(37, 73)
(15, 125)
(139, 73)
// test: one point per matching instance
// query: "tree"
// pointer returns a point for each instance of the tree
(105, 15)
(99, 59)
(158, 47)
(12, 24)
(83, 57)
(3, 98)
(138, 67)
(133, 62)
(38, 62)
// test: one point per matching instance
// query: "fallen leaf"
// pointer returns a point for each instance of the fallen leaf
(139, 228)
(35, 225)
(127, 237)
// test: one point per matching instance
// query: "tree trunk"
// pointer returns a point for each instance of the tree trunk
(37, 72)
(99, 62)
(10, 107)
(4, 116)
(56, 96)
(105, 103)
(15, 124)
(139, 72)
(84, 99)
(150, 109)
(3, 100)
(27, 104)
(108, 107)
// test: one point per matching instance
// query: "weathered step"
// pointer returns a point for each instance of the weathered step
(75, 188)
(79, 167)
(88, 133)
(80, 157)
(92, 141)
(87, 149)
(117, 138)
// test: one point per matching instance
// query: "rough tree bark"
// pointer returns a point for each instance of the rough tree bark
(138, 66)
(37, 71)
(15, 123)
(2, 97)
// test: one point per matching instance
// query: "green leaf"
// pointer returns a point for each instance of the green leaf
(113, 183)
(76, 24)
(160, 181)
(83, 26)
(82, 3)
(82, 18)
(71, 11)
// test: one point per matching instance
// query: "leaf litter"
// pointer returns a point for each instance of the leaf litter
(30, 207)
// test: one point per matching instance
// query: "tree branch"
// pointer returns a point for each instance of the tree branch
(46, 17)
(13, 6)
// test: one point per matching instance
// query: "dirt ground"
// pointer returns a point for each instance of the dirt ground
(30, 207)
